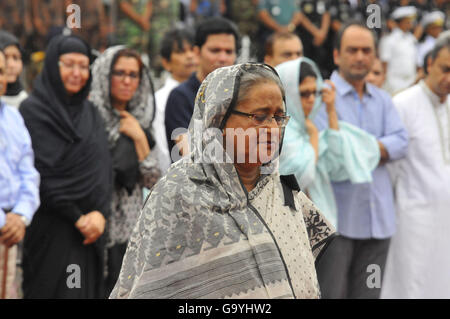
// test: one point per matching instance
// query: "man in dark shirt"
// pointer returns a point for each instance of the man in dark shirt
(216, 45)
(314, 32)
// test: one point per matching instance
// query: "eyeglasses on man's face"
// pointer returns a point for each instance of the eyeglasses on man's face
(72, 66)
(261, 118)
(122, 75)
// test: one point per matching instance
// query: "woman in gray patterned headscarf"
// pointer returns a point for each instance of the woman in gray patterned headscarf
(222, 223)
(120, 91)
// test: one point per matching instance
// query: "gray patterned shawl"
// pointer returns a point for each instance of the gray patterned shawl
(138, 106)
(197, 236)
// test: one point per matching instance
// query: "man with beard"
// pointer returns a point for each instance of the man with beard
(366, 216)
(416, 266)
(216, 45)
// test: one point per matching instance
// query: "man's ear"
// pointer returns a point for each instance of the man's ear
(429, 62)
(196, 50)
(268, 60)
(336, 56)
(166, 65)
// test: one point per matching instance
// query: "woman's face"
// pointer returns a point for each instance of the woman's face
(74, 71)
(14, 63)
(125, 79)
(3, 81)
(376, 75)
(308, 90)
(255, 143)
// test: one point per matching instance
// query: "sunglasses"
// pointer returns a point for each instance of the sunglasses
(307, 94)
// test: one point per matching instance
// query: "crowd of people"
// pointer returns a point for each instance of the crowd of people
(224, 149)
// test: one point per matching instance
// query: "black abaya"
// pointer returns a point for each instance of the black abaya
(72, 156)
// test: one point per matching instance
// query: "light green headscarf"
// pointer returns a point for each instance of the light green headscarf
(347, 154)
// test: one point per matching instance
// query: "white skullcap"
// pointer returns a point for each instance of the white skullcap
(404, 12)
(434, 17)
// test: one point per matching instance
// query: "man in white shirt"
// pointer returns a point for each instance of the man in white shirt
(19, 186)
(179, 60)
(398, 51)
(418, 262)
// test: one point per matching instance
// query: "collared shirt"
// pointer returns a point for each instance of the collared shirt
(442, 112)
(161, 97)
(367, 210)
(19, 180)
(180, 106)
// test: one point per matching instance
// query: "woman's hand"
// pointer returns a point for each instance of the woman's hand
(329, 96)
(130, 126)
(311, 129)
(313, 133)
(91, 226)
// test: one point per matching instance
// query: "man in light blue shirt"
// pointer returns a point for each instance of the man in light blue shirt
(366, 215)
(19, 182)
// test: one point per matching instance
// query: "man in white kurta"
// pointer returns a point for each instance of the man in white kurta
(179, 61)
(418, 264)
(160, 130)
(398, 51)
(432, 23)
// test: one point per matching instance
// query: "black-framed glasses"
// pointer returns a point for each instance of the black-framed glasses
(121, 75)
(260, 119)
(307, 94)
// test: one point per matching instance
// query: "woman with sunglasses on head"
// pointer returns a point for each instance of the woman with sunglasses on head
(122, 91)
(63, 247)
(341, 152)
(222, 222)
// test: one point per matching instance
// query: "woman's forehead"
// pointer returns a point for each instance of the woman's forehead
(264, 97)
(74, 56)
(308, 81)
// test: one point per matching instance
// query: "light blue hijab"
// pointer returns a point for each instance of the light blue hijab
(348, 154)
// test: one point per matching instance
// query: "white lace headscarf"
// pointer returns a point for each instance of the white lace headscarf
(141, 106)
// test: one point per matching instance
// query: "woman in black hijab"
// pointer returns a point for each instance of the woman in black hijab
(63, 245)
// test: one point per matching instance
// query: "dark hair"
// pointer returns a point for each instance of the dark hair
(216, 25)
(340, 34)
(306, 70)
(268, 45)
(425, 62)
(129, 53)
(173, 41)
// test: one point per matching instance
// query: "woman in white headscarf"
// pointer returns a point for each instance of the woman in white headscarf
(222, 223)
(341, 152)
(121, 91)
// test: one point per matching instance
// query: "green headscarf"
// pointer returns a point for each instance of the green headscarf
(347, 154)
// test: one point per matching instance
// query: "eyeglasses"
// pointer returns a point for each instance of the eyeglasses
(260, 119)
(71, 66)
(121, 75)
(307, 94)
